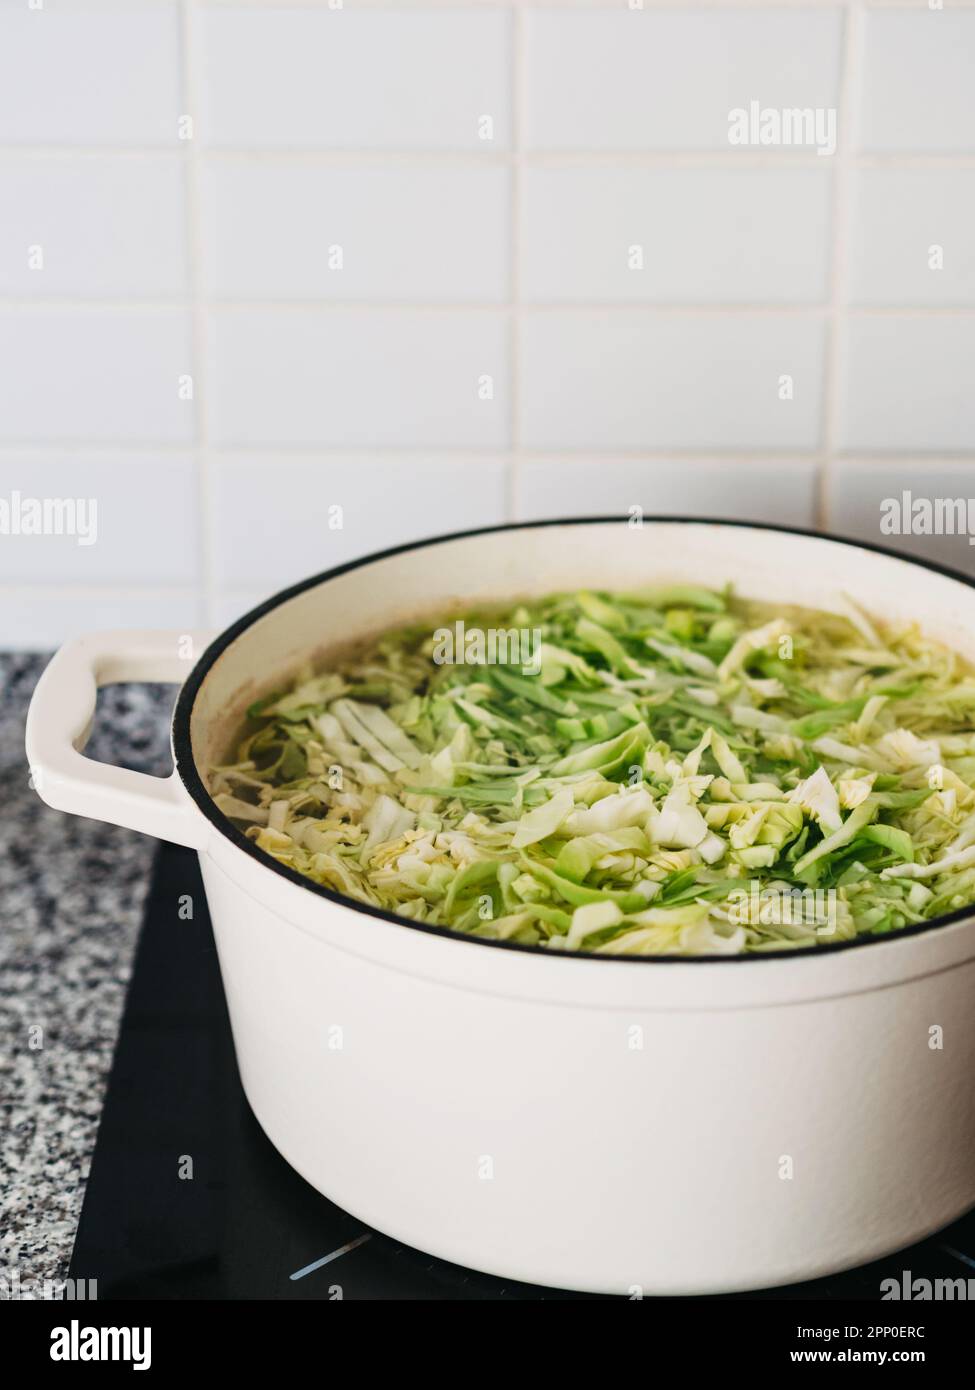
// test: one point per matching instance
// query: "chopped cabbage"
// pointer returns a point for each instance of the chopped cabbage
(678, 772)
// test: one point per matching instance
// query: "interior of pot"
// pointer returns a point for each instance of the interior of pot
(260, 653)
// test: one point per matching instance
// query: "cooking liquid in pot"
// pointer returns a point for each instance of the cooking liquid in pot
(673, 771)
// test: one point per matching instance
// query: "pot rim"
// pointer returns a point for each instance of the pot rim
(190, 777)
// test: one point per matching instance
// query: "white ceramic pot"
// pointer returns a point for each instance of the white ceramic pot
(680, 1126)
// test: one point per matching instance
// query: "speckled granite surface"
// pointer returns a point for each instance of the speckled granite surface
(71, 899)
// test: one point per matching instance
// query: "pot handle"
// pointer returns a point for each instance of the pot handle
(59, 721)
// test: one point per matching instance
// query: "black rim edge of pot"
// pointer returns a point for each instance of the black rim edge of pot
(187, 770)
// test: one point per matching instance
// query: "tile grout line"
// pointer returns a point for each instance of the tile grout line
(469, 454)
(104, 589)
(748, 158)
(197, 308)
(705, 160)
(515, 195)
(597, 6)
(837, 314)
(688, 308)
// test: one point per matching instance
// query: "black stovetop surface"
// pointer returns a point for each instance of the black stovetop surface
(187, 1198)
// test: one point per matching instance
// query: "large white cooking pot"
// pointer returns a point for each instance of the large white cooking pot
(673, 1126)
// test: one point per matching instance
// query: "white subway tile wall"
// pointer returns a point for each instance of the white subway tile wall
(917, 93)
(75, 73)
(862, 487)
(108, 226)
(380, 233)
(908, 384)
(695, 381)
(97, 375)
(276, 77)
(392, 498)
(39, 619)
(665, 79)
(339, 377)
(709, 235)
(912, 237)
(139, 520)
(743, 489)
(285, 283)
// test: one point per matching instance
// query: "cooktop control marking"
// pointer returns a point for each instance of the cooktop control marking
(965, 1259)
(327, 1259)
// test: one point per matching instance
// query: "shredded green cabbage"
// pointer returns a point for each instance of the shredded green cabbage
(673, 771)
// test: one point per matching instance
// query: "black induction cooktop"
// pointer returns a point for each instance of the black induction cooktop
(187, 1198)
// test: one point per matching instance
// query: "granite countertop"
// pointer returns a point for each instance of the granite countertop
(71, 899)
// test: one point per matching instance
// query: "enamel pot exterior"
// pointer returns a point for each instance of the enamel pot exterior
(610, 1125)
